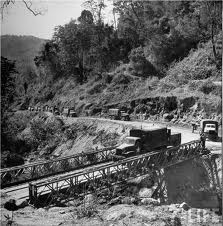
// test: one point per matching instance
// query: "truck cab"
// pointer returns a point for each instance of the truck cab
(130, 146)
(210, 128)
(125, 116)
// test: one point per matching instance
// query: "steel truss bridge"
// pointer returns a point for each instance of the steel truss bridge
(36, 170)
(62, 188)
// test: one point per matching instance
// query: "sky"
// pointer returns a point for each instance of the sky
(17, 20)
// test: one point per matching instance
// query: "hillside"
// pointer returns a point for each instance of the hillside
(23, 49)
(190, 81)
(156, 65)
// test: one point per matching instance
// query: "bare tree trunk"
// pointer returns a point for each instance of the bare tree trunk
(213, 42)
(115, 26)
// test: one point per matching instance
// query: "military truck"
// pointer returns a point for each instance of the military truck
(146, 140)
(56, 111)
(209, 128)
(65, 112)
(69, 112)
(72, 112)
(116, 114)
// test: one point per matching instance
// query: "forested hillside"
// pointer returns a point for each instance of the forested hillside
(20, 48)
(153, 49)
(160, 59)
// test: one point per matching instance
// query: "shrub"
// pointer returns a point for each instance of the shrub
(44, 131)
(217, 91)
(87, 211)
(14, 159)
(81, 97)
(207, 87)
(167, 86)
(193, 85)
(97, 88)
(139, 63)
(107, 77)
(121, 79)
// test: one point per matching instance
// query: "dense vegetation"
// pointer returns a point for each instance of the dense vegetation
(22, 50)
(151, 35)
(154, 49)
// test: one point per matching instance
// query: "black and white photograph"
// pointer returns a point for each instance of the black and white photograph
(111, 113)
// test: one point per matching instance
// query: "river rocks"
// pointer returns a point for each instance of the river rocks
(185, 206)
(40, 210)
(129, 213)
(129, 200)
(150, 201)
(145, 181)
(174, 208)
(145, 193)
(117, 212)
(89, 200)
(115, 201)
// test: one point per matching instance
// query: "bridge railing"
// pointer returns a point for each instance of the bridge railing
(40, 169)
(66, 187)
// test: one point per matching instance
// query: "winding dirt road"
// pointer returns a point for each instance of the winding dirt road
(187, 134)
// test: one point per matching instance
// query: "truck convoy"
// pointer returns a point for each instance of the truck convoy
(142, 141)
(117, 114)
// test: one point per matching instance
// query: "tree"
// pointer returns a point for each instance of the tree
(7, 83)
(96, 8)
(28, 5)
(212, 16)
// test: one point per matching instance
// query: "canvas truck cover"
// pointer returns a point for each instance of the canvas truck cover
(114, 111)
(151, 138)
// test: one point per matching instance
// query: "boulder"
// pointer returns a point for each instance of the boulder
(173, 208)
(89, 200)
(145, 181)
(129, 200)
(150, 201)
(185, 206)
(115, 201)
(145, 193)
(117, 212)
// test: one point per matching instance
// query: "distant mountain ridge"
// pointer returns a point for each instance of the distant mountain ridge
(23, 49)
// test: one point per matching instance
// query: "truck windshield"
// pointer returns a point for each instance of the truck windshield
(129, 141)
(211, 126)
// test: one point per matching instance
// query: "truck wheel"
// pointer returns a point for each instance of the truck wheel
(138, 148)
